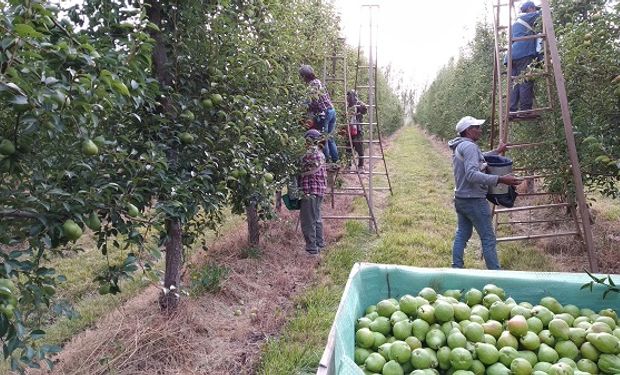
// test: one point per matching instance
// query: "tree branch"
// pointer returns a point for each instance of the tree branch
(19, 214)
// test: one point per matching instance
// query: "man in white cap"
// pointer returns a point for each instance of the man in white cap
(471, 186)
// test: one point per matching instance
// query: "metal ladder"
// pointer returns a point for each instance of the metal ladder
(363, 185)
(509, 123)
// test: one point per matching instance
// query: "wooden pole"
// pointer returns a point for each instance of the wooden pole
(371, 102)
(570, 137)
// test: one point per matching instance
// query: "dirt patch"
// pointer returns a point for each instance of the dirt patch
(219, 333)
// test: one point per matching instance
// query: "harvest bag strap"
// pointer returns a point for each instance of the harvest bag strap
(458, 153)
(524, 23)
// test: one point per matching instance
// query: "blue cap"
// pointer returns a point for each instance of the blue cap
(312, 134)
(527, 5)
(306, 71)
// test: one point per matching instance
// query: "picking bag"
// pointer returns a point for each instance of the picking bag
(502, 195)
(291, 204)
(506, 199)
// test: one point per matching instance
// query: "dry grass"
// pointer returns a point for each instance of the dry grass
(205, 336)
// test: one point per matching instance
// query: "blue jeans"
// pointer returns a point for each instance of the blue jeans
(522, 94)
(474, 213)
(327, 126)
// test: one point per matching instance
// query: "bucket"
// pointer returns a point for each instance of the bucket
(498, 165)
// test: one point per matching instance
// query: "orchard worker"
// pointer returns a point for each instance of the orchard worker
(321, 109)
(523, 53)
(357, 109)
(471, 185)
(312, 185)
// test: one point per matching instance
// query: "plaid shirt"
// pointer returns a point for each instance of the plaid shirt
(319, 100)
(313, 179)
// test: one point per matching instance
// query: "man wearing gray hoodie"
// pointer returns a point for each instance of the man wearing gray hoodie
(471, 186)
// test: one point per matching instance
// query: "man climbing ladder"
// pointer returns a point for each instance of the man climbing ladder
(524, 53)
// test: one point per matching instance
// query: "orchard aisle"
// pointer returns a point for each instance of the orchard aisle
(417, 225)
(274, 309)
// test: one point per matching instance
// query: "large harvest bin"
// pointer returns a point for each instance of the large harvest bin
(370, 283)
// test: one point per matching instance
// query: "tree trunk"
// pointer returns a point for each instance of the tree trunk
(253, 227)
(174, 259)
(174, 246)
(278, 200)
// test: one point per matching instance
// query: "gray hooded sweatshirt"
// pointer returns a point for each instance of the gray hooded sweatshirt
(468, 164)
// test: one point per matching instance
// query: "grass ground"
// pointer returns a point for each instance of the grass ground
(417, 227)
(80, 289)
(416, 223)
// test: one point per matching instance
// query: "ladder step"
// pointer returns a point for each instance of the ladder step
(364, 87)
(526, 145)
(532, 75)
(349, 146)
(535, 176)
(534, 236)
(528, 37)
(364, 141)
(381, 188)
(501, 27)
(527, 208)
(344, 193)
(534, 221)
(336, 57)
(374, 173)
(330, 217)
(527, 115)
(538, 194)
(334, 79)
(534, 110)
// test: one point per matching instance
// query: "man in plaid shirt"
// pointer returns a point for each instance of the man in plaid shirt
(313, 184)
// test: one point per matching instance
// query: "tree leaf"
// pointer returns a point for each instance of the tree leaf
(19, 100)
(120, 87)
(24, 31)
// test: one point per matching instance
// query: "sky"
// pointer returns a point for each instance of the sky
(416, 37)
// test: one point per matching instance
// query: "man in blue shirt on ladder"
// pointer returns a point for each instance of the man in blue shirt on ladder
(524, 52)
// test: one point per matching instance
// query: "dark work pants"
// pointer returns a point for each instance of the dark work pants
(358, 146)
(522, 94)
(312, 222)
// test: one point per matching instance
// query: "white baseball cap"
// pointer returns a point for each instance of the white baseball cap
(466, 122)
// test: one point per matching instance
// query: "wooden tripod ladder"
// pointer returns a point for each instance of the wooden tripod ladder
(512, 131)
(364, 181)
